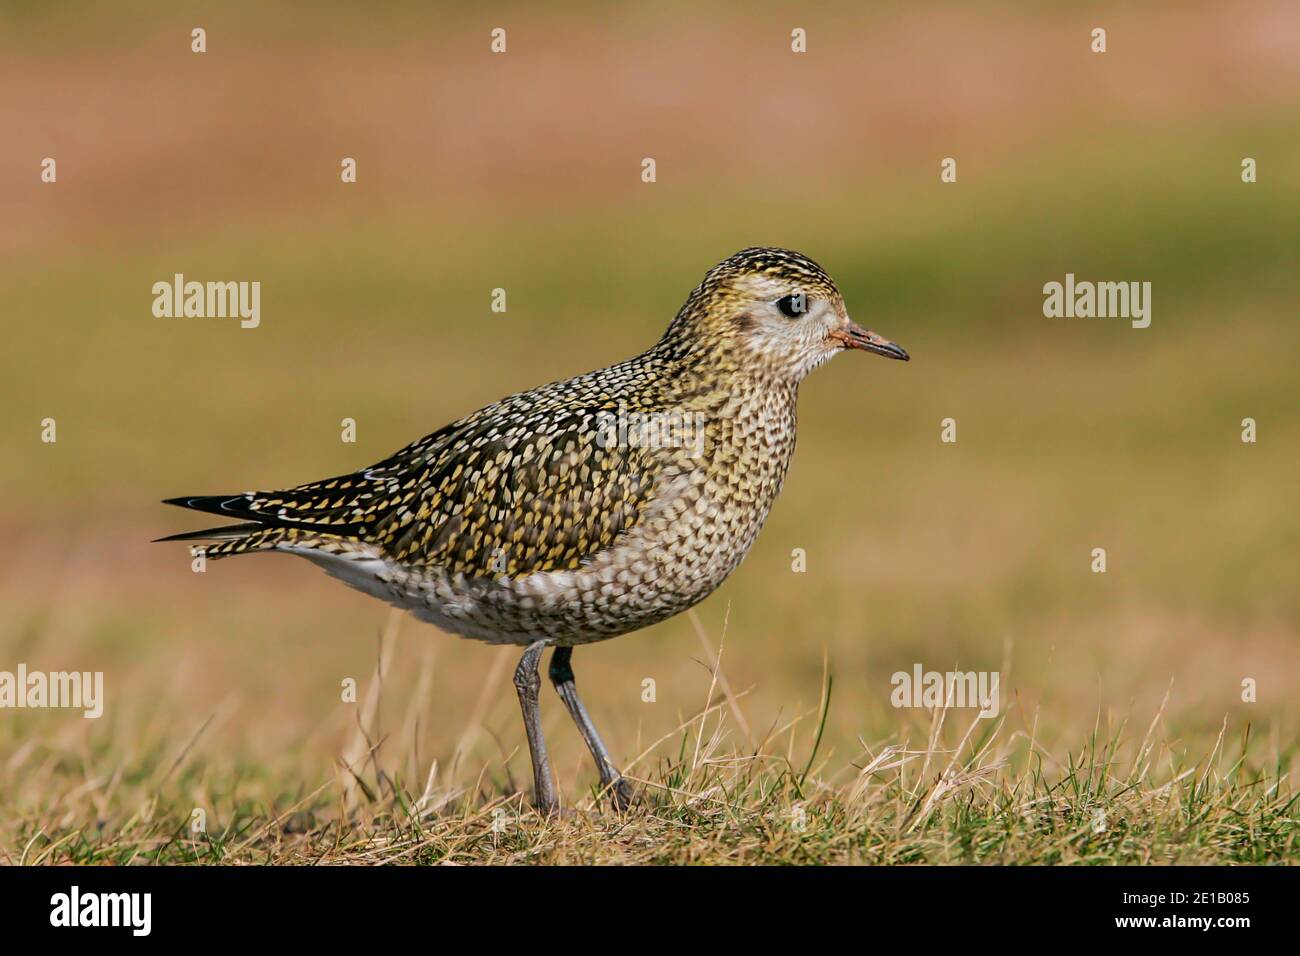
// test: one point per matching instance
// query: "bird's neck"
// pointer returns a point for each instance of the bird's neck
(696, 365)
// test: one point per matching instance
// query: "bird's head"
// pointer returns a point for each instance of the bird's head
(774, 310)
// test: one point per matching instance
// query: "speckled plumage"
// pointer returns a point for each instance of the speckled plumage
(536, 518)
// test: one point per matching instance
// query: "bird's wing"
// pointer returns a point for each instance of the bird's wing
(492, 494)
(538, 495)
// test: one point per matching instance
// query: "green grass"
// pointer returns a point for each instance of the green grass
(965, 792)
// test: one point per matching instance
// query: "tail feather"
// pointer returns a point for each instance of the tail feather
(226, 540)
(264, 533)
(306, 507)
(224, 533)
(228, 505)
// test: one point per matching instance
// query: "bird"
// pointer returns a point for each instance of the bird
(583, 509)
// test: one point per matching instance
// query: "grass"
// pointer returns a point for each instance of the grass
(954, 789)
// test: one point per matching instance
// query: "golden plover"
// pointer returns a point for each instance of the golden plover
(583, 509)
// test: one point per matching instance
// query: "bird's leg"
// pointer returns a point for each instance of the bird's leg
(529, 683)
(562, 677)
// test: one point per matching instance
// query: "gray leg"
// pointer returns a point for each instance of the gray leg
(562, 677)
(529, 683)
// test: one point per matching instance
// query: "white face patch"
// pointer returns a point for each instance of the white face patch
(794, 345)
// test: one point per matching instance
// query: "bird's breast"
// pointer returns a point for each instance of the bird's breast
(713, 512)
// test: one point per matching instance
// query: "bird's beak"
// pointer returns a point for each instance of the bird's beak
(854, 336)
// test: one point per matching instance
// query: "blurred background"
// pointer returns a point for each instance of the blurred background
(522, 171)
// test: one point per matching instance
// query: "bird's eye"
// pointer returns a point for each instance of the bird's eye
(793, 306)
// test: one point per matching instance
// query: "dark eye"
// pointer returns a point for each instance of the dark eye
(793, 306)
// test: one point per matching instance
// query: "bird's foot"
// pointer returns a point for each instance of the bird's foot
(551, 810)
(621, 793)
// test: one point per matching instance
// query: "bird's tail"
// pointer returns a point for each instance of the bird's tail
(231, 539)
(267, 532)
